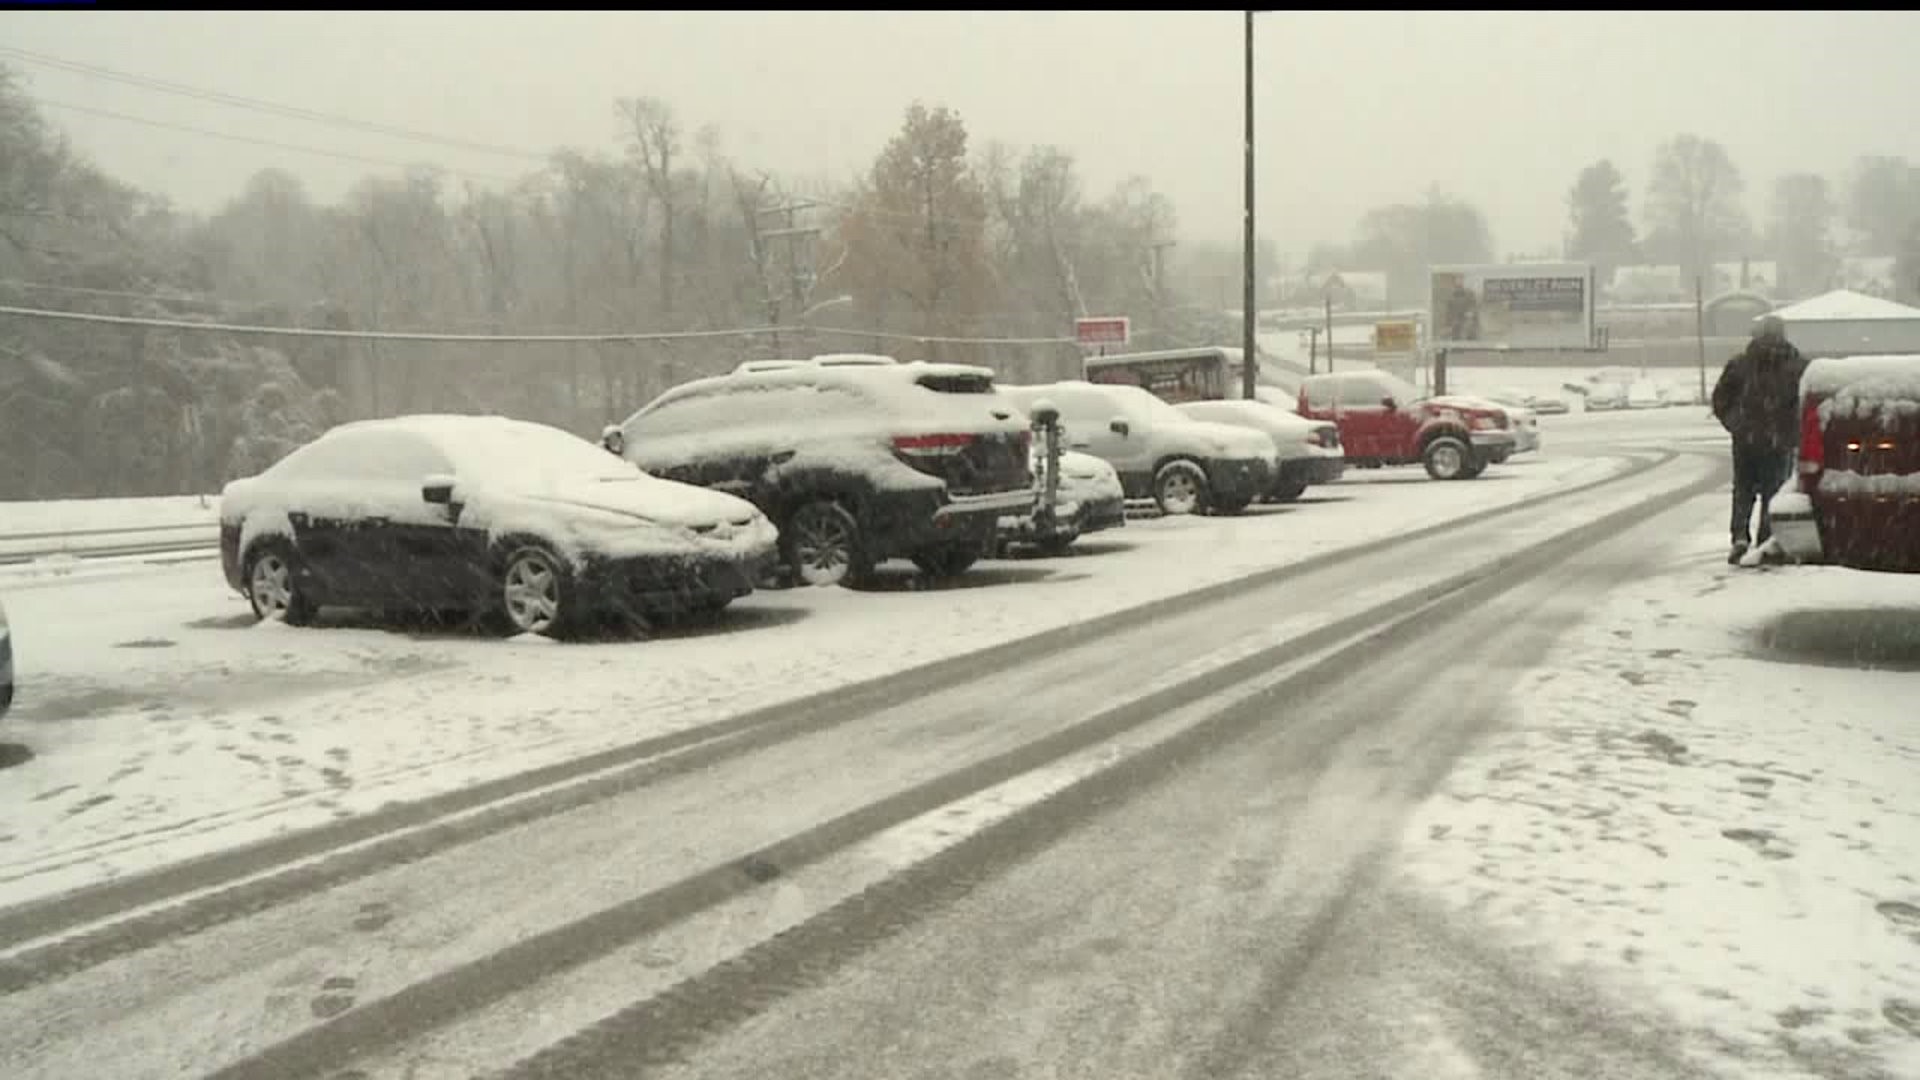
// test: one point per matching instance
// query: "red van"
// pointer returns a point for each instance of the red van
(1857, 502)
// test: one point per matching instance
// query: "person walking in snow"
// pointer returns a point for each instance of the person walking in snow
(1757, 400)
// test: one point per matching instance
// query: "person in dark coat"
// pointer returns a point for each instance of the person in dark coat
(1757, 400)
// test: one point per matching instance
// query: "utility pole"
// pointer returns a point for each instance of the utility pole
(799, 272)
(1249, 317)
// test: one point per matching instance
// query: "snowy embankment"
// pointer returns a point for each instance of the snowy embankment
(1708, 793)
(164, 724)
(80, 526)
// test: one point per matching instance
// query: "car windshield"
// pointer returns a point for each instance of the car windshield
(530, 455)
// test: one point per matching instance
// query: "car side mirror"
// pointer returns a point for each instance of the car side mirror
(1388, 402)
(438, 490)
(1119, 427)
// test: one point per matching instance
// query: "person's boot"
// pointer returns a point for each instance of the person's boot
(1739, 550)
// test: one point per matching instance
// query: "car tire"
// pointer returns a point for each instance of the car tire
(1286, 493)
(822, 545)
(273, 585)
(1180, 487)
(537, 592)
(1447, 458)
(1057, 544)
(946, 561)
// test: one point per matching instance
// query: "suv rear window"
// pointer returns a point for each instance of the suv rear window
(957, 384)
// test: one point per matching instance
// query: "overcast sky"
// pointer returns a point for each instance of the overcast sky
(1354, 109)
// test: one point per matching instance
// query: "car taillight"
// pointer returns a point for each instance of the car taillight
(1813, 442)
(951, 443)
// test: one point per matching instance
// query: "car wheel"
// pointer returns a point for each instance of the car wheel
(1286, 493)
(273, 587)
(1058, 543)
(947, 561)
(1475, 466)
(822, 545)
(1447, 458)
(536, 592)
(1180, 487)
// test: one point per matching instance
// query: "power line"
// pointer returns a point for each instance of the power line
(501, 339)
(238, 101)
(190, 129)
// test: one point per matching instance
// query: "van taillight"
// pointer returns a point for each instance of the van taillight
(1813, 441)
(933, 444)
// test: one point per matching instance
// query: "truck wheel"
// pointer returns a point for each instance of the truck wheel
(1180, 487)
(1447, 458)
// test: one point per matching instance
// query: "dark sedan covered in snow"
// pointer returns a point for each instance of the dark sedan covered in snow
(482, 514)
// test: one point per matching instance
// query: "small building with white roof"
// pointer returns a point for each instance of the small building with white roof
(1847, 323)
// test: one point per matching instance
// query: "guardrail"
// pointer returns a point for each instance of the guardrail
(122, 542)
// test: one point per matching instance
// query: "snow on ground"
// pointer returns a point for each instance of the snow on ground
(80, 525)
(1706, 795)
(165, 724)
(76, 515)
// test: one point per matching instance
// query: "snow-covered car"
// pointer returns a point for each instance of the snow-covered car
(6, 663)
(482, 514)
(1308, 450)
(1855, 499)
(1645, 394)
(1185, 466)
(857, 458)
(1088, 499)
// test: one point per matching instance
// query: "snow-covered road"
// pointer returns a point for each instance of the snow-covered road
(455, 928)
(165, 725)
(1553, 793)
(1708, 792)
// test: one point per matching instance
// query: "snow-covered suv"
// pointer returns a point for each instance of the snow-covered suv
(1185, 466)
(855, 460)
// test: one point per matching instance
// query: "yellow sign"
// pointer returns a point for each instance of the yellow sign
(1396, 337)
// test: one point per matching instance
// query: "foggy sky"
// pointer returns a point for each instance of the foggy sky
(1355, 109)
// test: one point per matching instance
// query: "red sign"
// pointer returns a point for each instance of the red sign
(1106, 330)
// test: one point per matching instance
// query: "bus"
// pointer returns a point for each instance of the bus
(1198, 374)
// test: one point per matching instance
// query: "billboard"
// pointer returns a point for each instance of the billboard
(1395, 338)
(1512, 306)
(1106, 330)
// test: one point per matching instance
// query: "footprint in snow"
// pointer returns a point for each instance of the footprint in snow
(1904, 1015)
(1904, 916)
(1757, 787)
(373, 916)
(336, 996)
(1764, 843)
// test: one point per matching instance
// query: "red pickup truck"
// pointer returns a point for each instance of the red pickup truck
(1384, 420)
(1857, 502)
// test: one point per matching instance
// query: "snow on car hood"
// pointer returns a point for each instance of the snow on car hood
(650, 498)
(1469, 401)
(1234, 441)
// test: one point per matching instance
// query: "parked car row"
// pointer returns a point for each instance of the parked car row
(808, 472)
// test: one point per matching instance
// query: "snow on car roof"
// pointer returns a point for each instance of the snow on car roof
(478, 445)
(1826, 376)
